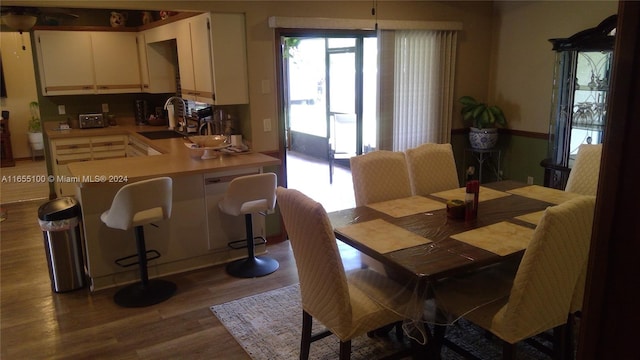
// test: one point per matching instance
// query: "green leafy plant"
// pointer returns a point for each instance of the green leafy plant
(35, 125)
(480, 115)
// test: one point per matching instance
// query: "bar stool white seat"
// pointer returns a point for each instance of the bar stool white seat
(248, 195)
(134, 205)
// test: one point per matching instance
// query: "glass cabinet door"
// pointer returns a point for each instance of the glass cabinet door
(580, 93)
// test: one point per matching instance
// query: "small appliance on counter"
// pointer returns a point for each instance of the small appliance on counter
(141, 112)
(90, 121)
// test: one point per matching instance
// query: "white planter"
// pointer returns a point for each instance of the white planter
(483, 139)
(35, 140)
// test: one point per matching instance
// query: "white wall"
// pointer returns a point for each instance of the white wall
(19, 76)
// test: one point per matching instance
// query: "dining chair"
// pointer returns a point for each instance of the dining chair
(379, 176)
(543, 286)
(583, 178)
(432, 168)
(346, 303)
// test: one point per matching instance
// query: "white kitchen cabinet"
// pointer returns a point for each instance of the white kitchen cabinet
(87, 62)
(212, 58)
(69, 150)
(63, 152)
(108, 147)
(65, 62)
(115, 59)
(229, 46)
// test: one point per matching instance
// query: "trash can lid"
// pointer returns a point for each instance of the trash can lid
(59, 209)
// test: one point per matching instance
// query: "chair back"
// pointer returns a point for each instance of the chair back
(380, 176)
(432, 168)
(250, 194)
(546, 279)
(140, 203)
(583, 178)
(323, 282)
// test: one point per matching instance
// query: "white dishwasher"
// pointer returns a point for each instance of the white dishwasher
(223, 228)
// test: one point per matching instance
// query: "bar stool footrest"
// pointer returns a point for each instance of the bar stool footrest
(242, 244)
(122, 261)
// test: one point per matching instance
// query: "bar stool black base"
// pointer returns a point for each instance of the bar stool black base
(138, 295)
(252, 267)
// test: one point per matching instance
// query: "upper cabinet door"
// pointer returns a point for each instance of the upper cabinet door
(115, 57)
(212, 59)
(229, 44)
(65, 62)
(201, 55)
(185, 59)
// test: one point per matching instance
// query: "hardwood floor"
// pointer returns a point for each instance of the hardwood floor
(37, 323)
(32, 186)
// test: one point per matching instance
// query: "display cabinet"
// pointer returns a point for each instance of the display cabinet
(580, 92)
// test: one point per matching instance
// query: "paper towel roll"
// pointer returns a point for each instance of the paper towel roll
(172, 116)
(236, 140)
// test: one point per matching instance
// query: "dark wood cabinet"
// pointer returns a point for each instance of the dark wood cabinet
(580, 95)
(5, 144)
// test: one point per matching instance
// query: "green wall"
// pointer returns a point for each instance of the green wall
(521, 156)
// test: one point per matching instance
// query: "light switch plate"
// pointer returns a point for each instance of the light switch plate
(105, 108)
(61, 110)
(267, 125)
(266, 87)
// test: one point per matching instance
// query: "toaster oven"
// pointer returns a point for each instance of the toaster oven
(89, 121)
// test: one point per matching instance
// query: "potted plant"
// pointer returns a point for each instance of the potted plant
(35, 127)
(484, 120)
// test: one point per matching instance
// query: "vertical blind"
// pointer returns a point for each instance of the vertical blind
(424, 62)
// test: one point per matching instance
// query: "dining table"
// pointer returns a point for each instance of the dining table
(414, 242)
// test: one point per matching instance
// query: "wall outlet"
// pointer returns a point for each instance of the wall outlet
(61, 110)
(266, 123)
(529, 180)
(105, 108)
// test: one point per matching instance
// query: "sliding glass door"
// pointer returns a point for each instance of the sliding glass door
(330, 94)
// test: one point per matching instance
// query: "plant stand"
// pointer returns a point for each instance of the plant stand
(482, 157)
(36, 144)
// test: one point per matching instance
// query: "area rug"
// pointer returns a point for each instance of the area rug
(268, 327)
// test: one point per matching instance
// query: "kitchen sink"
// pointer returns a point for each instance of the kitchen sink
(160, 134)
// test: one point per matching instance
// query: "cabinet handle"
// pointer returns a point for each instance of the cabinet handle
(210, 181)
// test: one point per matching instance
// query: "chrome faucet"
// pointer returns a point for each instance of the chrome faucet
(184, 110)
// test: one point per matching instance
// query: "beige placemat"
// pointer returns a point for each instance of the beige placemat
(407, 206)
(502, 238)
(460, 193)
(382, 236)
(546, 194)
(531, 218)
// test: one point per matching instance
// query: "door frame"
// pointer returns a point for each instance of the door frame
(281, 101)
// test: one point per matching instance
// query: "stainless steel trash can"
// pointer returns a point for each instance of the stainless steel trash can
(60, 222)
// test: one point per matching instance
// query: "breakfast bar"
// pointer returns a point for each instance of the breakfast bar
(197, 233)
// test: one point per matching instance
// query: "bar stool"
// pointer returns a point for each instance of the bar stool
(135, 205)
(247, 195)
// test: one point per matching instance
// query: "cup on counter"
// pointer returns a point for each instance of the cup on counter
(236, 140)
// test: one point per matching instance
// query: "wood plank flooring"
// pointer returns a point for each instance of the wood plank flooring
(13, 191)
(37, 323)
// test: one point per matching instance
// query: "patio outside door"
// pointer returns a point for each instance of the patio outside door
(330, 95)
